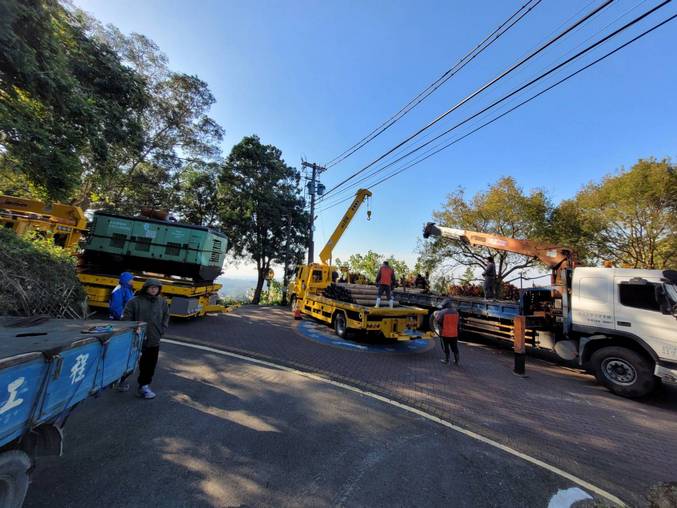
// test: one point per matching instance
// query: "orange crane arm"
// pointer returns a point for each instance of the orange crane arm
(553, 256)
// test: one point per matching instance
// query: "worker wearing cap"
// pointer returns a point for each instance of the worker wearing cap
(385, 280)
(149, 306)
(446, 326)
(489, 275)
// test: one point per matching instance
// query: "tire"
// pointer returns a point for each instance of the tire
(623, 371)
(341, 325)
(14, 466)
(432, 325)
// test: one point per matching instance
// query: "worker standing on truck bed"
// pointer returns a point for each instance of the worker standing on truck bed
(446, 321)
(149, 306)
(490, 279)
(385, 279)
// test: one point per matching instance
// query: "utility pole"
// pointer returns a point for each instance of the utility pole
(317, 170)
(285, 276)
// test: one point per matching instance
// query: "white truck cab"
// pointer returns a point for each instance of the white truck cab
(625, 321)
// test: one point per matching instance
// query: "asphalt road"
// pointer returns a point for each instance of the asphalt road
(226, 432)
(558, 414)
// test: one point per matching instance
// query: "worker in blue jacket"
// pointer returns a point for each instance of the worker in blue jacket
(122, 293)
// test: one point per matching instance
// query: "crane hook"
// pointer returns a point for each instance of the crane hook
(368, 208)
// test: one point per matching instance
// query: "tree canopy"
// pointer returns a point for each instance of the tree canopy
(369, 263)
(629, 218)
(504, 209)
(264, 214)
(67, 102)
(93, 116)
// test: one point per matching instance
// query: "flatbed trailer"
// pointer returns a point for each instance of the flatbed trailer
(186, 298)
(488, 318)
(47, 368)
(399, 323)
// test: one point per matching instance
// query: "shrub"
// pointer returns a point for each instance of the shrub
(38, 277)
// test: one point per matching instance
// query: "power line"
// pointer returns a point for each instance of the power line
(557, 83)
(523, 87)
(398, 159)
(430, 89)
(476, 92)
(429, 134)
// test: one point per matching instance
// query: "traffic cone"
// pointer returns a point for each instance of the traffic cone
(296, 311)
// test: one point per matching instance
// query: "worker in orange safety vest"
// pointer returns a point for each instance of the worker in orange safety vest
(385, 280)
(446, 326)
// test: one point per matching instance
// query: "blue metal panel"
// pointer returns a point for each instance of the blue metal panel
(72, 377)
(20, 386)
(116, 359)
(135, 352)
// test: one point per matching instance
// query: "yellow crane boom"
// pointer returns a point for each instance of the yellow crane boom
(64, 223)
(360, 196)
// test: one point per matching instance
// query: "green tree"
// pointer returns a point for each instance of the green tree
(265, 218)
(199, 194)
(629, 218)
(67, 102)
(368, 264)
(177, 132)
(504, 209)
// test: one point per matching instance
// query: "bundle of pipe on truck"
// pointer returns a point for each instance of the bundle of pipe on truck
(361, 294)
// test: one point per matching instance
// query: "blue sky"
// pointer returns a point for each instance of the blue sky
(313, 77)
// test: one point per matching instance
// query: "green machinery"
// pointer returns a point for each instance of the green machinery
(118, 243)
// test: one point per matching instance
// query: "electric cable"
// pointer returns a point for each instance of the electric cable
(557, 83)
(531, 82)
(477, 92)
(430, 89)
(385, 166)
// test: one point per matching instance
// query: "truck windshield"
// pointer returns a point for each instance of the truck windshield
(671, 292)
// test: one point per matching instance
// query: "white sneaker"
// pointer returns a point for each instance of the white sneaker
(145, 392)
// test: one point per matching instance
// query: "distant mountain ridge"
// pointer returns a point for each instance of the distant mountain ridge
(235, 288)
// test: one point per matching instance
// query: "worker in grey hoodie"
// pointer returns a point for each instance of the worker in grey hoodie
(149, 306)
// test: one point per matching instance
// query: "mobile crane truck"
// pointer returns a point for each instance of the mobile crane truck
(311, 281)
(619, 323)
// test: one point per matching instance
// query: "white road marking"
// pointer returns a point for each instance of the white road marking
(566, 498)
(474, 435)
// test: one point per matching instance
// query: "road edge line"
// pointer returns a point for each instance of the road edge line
(469, 433)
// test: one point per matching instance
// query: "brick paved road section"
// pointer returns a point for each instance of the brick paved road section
(558, 415)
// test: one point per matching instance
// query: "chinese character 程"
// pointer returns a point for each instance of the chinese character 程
(78, 370)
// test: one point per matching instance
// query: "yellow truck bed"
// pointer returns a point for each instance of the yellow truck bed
(186, 299)
(400, 323)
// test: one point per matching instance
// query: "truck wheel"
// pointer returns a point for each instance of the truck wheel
(431, 321)
(14, 466)
(623, 371)
(340, 325)
(432, 324)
